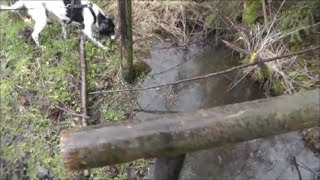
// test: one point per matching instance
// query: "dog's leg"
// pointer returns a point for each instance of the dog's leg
(88, 32)
(40, 19)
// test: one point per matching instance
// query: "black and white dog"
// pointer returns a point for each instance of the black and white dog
(89, 16)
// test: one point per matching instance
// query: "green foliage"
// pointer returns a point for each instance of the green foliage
(252, 10)
(294, 20)
(264, 73)
(33, 82)
(112, 115)
(211, 20)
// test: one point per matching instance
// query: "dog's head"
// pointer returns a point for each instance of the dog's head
(106, 26)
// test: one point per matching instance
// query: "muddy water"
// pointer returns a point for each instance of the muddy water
(175, 64)
(265, 158)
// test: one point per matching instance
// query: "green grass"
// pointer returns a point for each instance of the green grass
(33, 82)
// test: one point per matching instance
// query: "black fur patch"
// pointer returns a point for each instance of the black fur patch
(101, 19)
(74, 14)
(106, 25)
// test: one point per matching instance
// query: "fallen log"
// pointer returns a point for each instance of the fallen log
(175, 134)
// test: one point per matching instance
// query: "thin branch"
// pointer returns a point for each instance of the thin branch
(178, 46)
(308, 168)
(297, 167)
(154, 111)
(72, 113)
(174, 67)
(261, 61)
(236, 48)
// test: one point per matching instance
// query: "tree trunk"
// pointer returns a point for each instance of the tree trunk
(126, 49)
(174, 134)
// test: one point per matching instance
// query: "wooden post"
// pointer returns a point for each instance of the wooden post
(174, 134)
(126, 49)
(265, 16)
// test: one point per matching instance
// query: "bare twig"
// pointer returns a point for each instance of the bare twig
(308, 168)
(297, 167)
(154, 111)
(174, 67)
(179, 46)
(72, 113)
(260, 61)
(236, 48)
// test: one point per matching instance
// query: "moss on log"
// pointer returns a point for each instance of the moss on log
(179, 133)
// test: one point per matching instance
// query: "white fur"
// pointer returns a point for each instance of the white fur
(37, 11)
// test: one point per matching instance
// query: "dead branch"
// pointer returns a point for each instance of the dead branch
(236, 48)
(154, 111)
(258, 62)
(297, 167)
(307, 167)
(72, 113)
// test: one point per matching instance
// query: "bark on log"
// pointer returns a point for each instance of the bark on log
(179, 133)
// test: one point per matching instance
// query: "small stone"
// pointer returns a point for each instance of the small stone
(42, 172)
(251, 155)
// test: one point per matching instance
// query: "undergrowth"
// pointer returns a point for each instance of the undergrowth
(291, 28)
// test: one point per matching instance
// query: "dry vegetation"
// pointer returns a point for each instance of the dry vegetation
(285, 33)
(181, 21)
